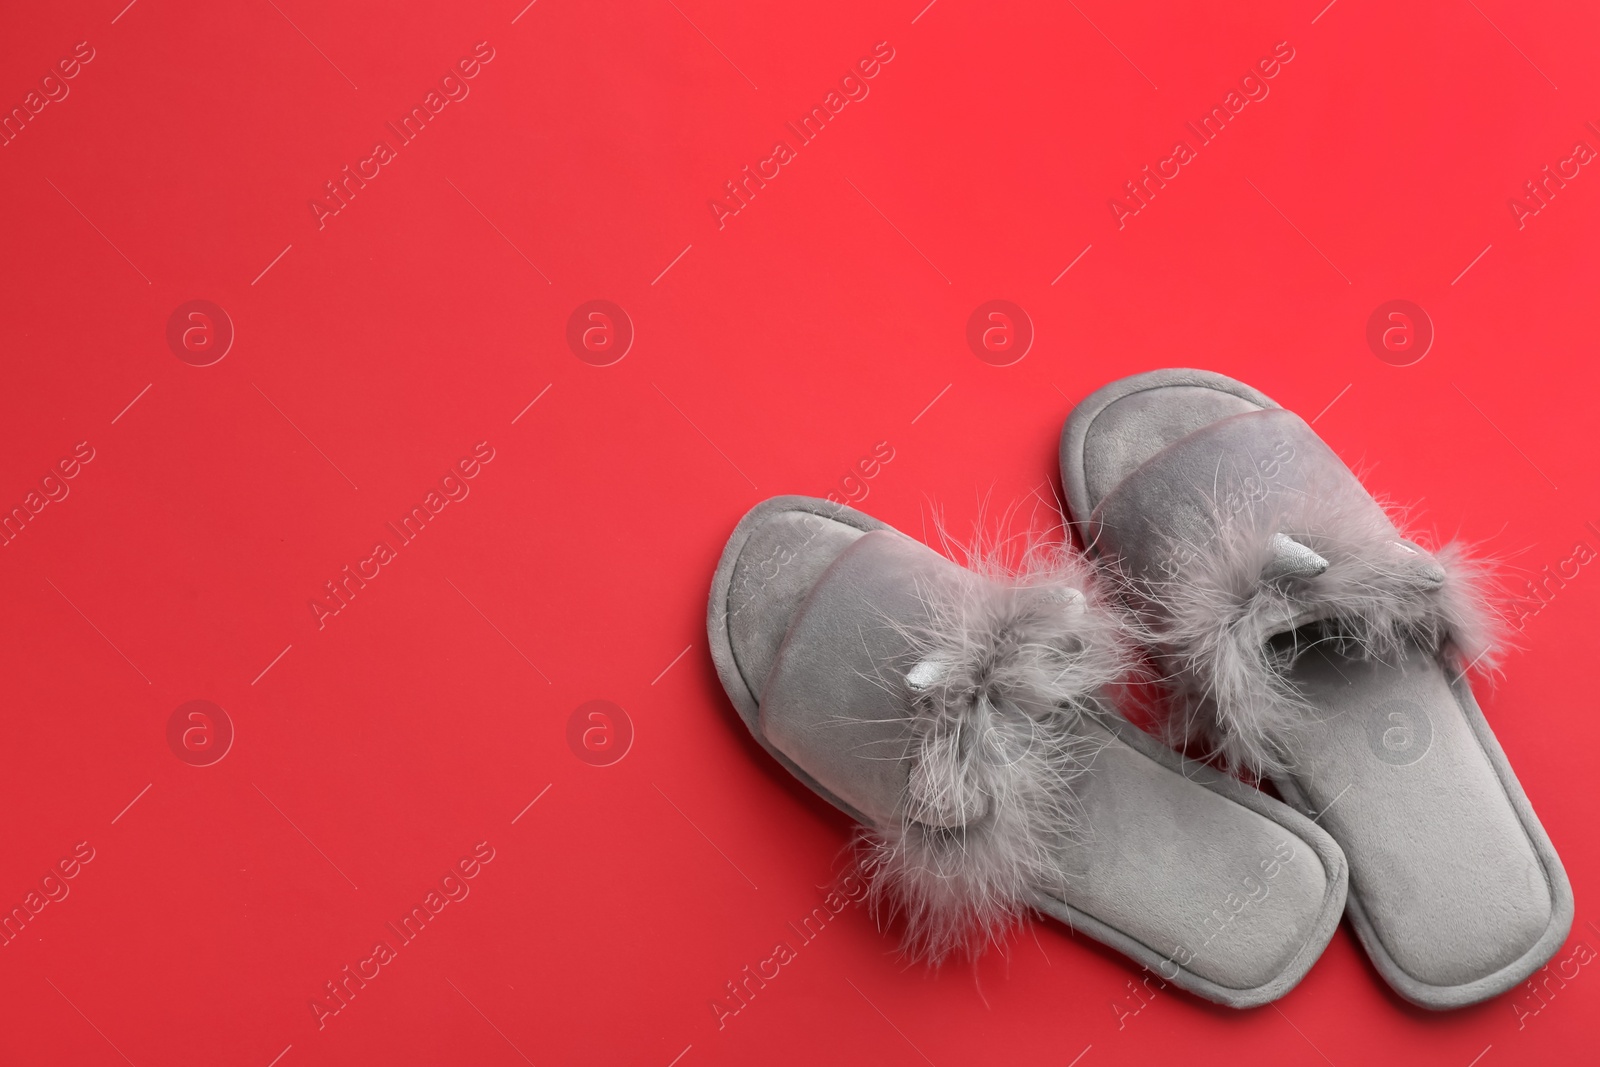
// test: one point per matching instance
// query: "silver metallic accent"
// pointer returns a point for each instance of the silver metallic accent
(1291, 559)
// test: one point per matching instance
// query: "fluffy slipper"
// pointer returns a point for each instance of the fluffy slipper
(1303, 636)
(958, 717)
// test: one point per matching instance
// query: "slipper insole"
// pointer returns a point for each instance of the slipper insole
(1439, 859)
(1188, 872)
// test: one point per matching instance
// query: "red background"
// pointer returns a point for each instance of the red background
(771, 356)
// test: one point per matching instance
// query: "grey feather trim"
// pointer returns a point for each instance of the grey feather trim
(1001, 668)
(1212, 624)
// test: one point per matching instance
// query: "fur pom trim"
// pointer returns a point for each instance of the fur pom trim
(1001, 668)
(1228, 625)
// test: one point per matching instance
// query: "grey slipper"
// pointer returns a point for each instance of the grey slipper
(1304, 637)
(957, 716)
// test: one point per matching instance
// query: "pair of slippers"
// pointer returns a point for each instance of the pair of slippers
(962, 715)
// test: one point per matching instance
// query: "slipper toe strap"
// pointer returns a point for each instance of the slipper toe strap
(1241, 543)
(941, 704)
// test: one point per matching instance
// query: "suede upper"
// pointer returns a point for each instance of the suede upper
(834, 701)
(1208, 480)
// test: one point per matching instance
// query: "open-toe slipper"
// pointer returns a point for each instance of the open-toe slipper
(958, 715)
(1304, 637)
